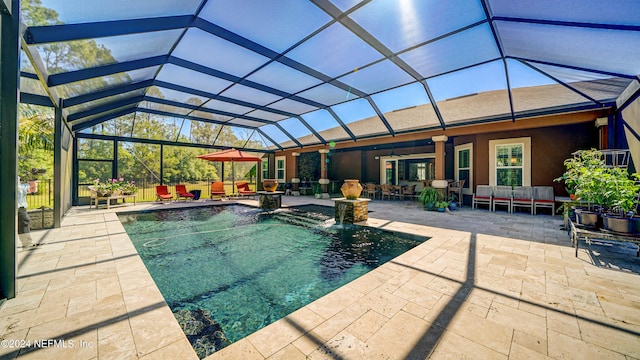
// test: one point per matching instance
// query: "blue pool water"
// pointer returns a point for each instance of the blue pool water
(250, 268)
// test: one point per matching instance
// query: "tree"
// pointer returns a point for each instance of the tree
(35, 140)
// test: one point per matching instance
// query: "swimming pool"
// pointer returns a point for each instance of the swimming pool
(250, 268)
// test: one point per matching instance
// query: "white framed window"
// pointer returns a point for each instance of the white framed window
(464, 166)
(510, 162)
(280, 169)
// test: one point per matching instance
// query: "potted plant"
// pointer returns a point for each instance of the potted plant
(428, 198)
(129, 188)
(453, 203)
(621, 192)
(441, 206)
(583, 178)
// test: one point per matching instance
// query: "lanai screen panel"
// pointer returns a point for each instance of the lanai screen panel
(348, 69)
(120, 126)
(177, 96)
(299, 131)
(152, 105)
(87, 11)
(601, 87)
(482, 93)
(111, 81)
(360, 117)
(407, 107)
(83, 54)
(326, 125)
(191, 79)
(532, 90)
(87, 106)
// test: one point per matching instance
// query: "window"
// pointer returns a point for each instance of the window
(464, 166)
(265, 169)
(280, 169)
(510, 162)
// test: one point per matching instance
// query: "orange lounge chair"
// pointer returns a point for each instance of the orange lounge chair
(162, 193)
(181, 192)
(244, 190)
(217, 189)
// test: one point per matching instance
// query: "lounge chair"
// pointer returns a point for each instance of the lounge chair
(217, 189)
(502, 195)
(244, 190)
(162, 193)
(522, 197)
(181, 192)
(483, 196)
(543, 197)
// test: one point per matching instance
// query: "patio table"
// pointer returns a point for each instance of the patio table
(577, 233)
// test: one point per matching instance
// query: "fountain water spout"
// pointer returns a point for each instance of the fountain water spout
(342, 210)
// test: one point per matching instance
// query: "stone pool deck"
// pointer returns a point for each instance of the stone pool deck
(486, 285)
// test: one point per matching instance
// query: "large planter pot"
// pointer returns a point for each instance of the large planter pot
(588, 219)
(622, 225)
(351, 189)
(270, 185)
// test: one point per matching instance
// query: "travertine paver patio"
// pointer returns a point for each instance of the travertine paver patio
(486, 285)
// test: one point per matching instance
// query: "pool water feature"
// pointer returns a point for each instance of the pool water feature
(249, 268)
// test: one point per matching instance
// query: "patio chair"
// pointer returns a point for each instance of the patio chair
(482, 196)
(181, 192)
(456, 188)
(217, 189)
(386, 189)
(409, 191)
(244, 190)
(502, 195)
(543, 197)
(522, 197)
(162, 193)
(370, 190)
(396, 191)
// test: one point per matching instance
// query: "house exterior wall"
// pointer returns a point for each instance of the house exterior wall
(550, 146)
(553, 139)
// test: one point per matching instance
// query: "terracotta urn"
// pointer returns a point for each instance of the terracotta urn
(270, 185)
(351, 189)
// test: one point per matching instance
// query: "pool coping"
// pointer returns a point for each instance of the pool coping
(523, 293)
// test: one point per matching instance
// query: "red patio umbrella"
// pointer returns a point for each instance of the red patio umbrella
(232, 155)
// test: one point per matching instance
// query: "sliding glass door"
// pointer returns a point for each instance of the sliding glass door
(407, 169)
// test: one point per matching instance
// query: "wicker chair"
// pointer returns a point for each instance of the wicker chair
(409, 191)
(370, 190)
(386, 189)
(456, 188)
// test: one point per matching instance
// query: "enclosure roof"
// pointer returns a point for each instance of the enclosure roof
(291, 73)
